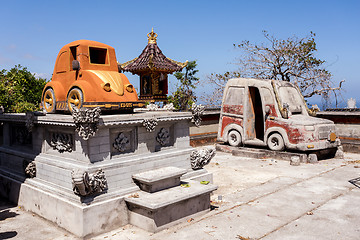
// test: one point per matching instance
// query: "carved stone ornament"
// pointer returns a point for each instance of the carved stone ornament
(85, 183)
(202, 157)
(29, 123)
(152, 107)
(121, 143)
(351, 103)
(163, 137)
(29, 168)
(197, 112)
(62, 142)
(169, 107)
(86, 121)
(150, 124)
(22, 136)
(313, 110)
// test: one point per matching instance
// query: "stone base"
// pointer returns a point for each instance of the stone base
(150, 225)
(198, 175)
(159, 179)
(64, 165)
(156, 211)
(80, 219)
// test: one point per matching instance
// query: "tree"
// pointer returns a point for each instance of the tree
(184, 95)
(292, 59)
(20, 90)
(218, 81)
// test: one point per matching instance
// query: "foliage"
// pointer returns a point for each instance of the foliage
(184, 95)
(292, 59)
(218, 81)
(20, 90)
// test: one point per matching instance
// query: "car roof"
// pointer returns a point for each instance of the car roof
(260, 82)
(86, 43)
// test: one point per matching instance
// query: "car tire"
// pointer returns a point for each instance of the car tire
(234, 138)
(75, 99)
(276, 142)
(49, 101)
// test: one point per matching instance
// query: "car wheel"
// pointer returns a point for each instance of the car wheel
(49, 101)
(234, 138)
(75, 99)
(275, 142)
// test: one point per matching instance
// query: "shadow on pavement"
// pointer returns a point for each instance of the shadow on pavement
(5, 213)
(8, 235)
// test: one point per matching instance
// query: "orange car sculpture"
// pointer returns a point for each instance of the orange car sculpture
(86, 74)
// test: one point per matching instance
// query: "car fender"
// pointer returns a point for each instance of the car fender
(230, 127)
(60, 94)
(279, 130)
(86, 89)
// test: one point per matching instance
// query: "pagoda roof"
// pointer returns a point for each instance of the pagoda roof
(152, 59)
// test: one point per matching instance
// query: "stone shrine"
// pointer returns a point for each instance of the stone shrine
(153, 68)
(91, 173)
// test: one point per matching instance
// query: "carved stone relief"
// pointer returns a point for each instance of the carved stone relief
(351, 103)
(154, 107)
(21, 135)
(150, 124)
(63, 142)
(86, 121)
(29, 168)
(29, 123)
(197, 112)
(202, 157)
(169, 107)
(163, 137)
(122, 143)
(85, 183)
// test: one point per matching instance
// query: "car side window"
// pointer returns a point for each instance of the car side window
(268, 100)
(62, 64)
(98, 55)
(267, 96)
(234, 96)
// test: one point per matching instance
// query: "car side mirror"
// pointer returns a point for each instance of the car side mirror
(75, 65)
(267, 110)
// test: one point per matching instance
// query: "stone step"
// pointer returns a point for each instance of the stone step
(261, 153)
(156, 211)
(159, 179)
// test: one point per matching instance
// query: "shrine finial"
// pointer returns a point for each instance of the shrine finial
(152, 36)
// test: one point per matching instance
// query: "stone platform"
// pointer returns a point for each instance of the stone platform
(57, 169)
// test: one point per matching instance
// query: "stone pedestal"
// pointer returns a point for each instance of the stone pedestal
(81, 184)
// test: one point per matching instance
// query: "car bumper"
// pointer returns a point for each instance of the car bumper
(320, 145)
(114, 105)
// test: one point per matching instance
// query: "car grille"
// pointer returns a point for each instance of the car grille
(324, 131)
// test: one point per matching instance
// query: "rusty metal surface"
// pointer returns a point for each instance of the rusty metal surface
(233, 109)
(229, 120)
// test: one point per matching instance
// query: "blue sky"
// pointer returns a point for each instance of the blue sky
(32, 32)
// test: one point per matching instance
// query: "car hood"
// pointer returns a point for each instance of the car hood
(307, 120)
(112, 77)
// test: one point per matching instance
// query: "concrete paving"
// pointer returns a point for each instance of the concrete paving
(256, 199)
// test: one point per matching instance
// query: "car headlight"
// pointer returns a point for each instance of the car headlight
(332, 137)
(106, 87)
(309, 128)
(129, 88)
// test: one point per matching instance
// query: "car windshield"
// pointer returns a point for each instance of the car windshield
(290, 98)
